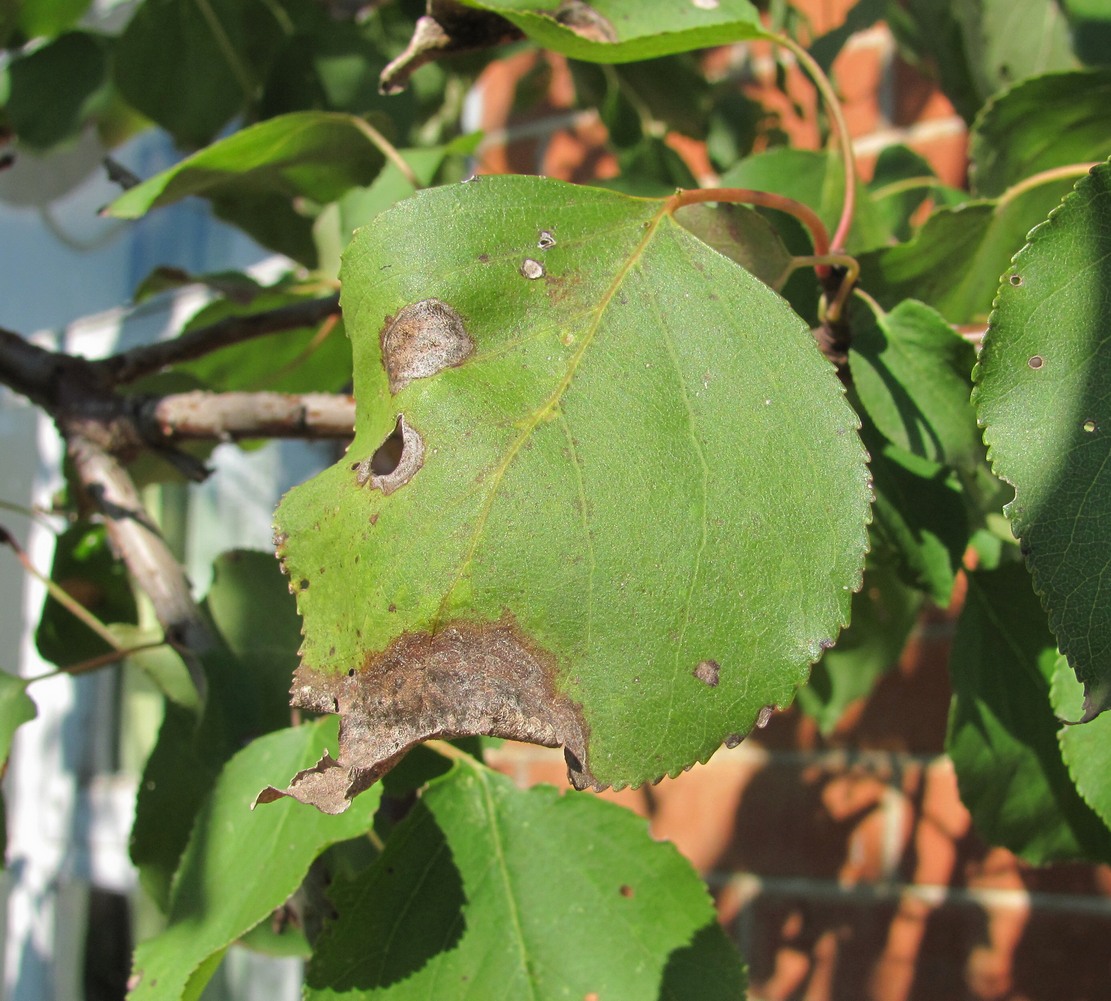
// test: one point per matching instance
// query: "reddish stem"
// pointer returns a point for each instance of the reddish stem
(766, 199)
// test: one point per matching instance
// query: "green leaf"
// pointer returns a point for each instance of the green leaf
(920, 515)
(86, 568)
(955, 261)
(162, 663)
(54, 88)
(1090, 21)
(913, 374)
(489, 891)
(619, 31)
(900, 184)
(742, 235)
(241, 864)
(1002, 732)
(1044, 400)
(1045, 122)
(253, 176)
(610, 438)
(302, 360)
(47, 18)
(248, 690)
(883, 613)
(1085, 748)
(221, 50)
(16, 708)
(978, 47)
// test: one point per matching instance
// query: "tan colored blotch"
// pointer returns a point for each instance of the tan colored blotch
(422, 340)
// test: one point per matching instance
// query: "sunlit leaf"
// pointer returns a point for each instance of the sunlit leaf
(1044, 122)
(1044, 399)
(489, 891)
(253, 177)
(618, 452)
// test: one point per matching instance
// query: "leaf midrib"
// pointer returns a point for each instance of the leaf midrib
(545, 409)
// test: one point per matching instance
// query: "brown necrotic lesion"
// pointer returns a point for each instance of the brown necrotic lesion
(422, 340)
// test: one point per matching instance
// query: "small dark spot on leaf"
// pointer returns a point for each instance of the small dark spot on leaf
(707, 672)
(421, 341)
(354, 465)
(351, 672)
(304, 583)
(484, 258)
(331, 651)
(395, 462)
(1015, 280)
(626, 890)
(373, 521)
(1036, 362)
(392, 608)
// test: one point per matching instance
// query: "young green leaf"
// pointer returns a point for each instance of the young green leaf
(1002, 732)
(240, 864)
(1044, 401)
(1086, 749)
(489, 891)
(192, 67)
(253, 176)
(954, 262)
(913, 374)
(591, 457)
(247, 673)
(1043, 122)
(16, 708)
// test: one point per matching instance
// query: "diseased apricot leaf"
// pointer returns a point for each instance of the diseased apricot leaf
(615, 500)
(462, 906)
(1043, 396)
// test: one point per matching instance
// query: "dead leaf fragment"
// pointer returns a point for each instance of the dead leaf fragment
(446, 29)
(466, 679)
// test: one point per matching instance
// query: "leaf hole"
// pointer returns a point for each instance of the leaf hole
(395, 462)
(1015, 280)
(387, 457)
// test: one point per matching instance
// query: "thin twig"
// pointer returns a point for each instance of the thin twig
(96, 663)
(59, 593)
(131, 365)
(840, 126)
(389, 151)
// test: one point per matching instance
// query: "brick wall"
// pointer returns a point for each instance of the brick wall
(845, 867)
